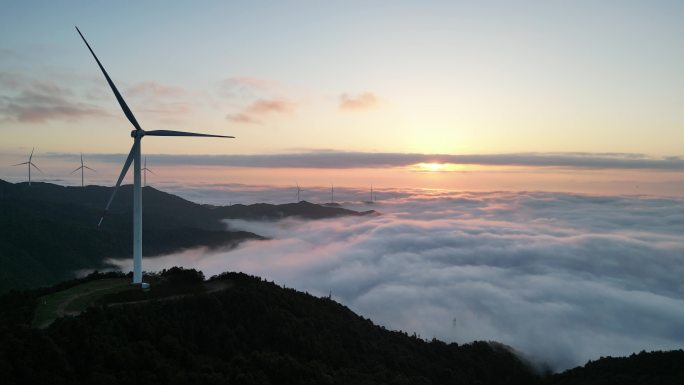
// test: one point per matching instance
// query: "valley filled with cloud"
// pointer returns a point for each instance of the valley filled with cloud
(562, 278)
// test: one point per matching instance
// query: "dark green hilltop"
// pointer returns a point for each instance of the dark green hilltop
(230, 329)
(239, 329)
(47, 231)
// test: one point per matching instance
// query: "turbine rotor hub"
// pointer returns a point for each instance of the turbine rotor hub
(137, 133)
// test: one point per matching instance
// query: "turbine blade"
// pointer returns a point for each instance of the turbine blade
(182, 133)
(77, 169)
(19, 164)
(36, 167)
(126, 166)
(31, 156)
(119, 98)
(151, 171)
(91, 169)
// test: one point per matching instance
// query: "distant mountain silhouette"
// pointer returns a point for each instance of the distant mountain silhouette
(302, 209)
(47, 231)
(248, 332)
(662, 368)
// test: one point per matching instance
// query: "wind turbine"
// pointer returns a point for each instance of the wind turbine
(134, 157)
(83, 166)
(29, 163)
(332, 193)
(371, 194)
(145, 169)
(299, 190)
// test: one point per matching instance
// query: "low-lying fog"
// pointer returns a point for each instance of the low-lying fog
(563, 278)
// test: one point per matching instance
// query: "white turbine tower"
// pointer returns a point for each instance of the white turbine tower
(145, 170)
(83, 166)
(134, 156)
(29, 163)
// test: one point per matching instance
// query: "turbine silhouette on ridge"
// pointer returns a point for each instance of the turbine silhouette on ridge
(134, 157)
(299, 190)
(145, 170)
(83, 166)
(29, 163)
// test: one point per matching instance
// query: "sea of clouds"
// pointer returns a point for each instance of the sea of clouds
(562, 278)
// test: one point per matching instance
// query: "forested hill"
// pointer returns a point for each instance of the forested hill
(249, 332)
(302, 209)
(47, 231)
(239, 329)
(661, 368)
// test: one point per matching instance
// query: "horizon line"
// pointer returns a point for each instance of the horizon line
(350, 160)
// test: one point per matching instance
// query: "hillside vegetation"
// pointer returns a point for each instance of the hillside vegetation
(250, 332)
(239, 329)
(48, 232)
(661, 368)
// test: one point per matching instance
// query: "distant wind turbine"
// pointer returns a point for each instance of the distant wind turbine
(145, 169)
(83, 166)
(29, 163)
(134, 157)
(332, 193)
(373, 196)
(299, 190)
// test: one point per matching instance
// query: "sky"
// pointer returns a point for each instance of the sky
(584, 79)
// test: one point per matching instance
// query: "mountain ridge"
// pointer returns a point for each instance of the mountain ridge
(251, 332)
(48, 231)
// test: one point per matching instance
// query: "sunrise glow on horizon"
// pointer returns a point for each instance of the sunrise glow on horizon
(436, 77)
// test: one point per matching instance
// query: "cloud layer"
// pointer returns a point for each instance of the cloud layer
(260, 108)
(562, 277)
(362, 101)
(345, 160)
(35, 101)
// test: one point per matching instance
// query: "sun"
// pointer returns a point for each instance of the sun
(437, 167)
(431, 166)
